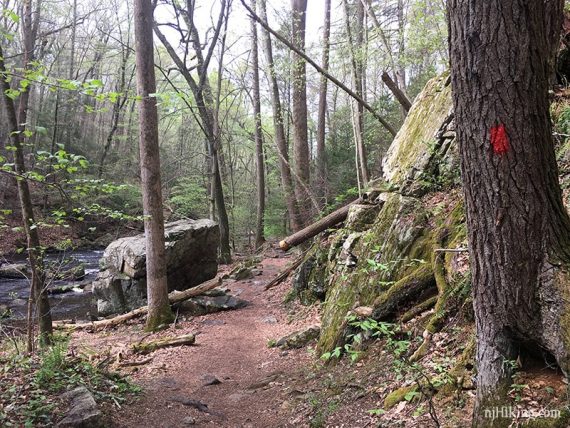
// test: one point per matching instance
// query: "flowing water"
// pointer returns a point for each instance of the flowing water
(77, 303)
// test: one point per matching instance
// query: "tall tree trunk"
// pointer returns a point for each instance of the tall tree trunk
(157, 289)
(260, 164)
(280, 137)
(38, 301)
(300, 129)
(519, 231)
(321, 179)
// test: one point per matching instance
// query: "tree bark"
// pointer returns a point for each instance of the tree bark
(280, 139)
(300, 129)
(260, 164)
(321, 179)
(502, 57)
(159, 312)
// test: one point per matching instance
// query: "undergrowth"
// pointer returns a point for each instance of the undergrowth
(31, 386)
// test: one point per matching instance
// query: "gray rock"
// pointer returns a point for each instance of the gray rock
(361, 216)
(83, 411)
(269, 319)
(242, 274)
(188, 420)
(202, 305)
(298, 339)
(424, 149)
(191, 258)
(14, 271)
(209, 379)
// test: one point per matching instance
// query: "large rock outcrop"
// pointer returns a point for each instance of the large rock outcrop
(191, 255)
(383, 261)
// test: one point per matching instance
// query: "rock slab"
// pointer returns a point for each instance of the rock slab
(83, 411)
(191, 258)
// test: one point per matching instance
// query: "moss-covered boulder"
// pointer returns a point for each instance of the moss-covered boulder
(395, 247)
(423, 154)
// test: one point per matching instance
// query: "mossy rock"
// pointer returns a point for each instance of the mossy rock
(425, 139)
(399, 395)
(391, 249)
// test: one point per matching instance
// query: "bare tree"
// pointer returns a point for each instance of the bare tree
(203, 94)
(279, 133)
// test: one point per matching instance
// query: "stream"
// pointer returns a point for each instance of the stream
(77, 303)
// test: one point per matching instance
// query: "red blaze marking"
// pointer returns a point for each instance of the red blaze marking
(500, 139)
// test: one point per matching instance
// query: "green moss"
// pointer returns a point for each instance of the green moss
(390, 250)
(398, 396)
(418, 309)
(160, 319)
(462, 370)
(562, 422)
(415, 143)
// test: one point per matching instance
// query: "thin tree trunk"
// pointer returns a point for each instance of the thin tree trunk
(159, 312)
(518, 228)
(357, 72)
(118, 105)
(202, 92)
(300, 131)
(260, 164)
(38, 301)
(321, 179)
(280, 138)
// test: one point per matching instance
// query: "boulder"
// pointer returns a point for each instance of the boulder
(423, 153)
(300, 338)
(83, 411)
(14, 271)
(191, 258)
(202, 305)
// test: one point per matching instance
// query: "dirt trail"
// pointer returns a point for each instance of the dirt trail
(231, 346)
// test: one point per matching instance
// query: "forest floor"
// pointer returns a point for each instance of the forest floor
(231, 377)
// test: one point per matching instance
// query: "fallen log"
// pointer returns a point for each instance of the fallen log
(286, 272)
(147, 348)
(174, 297)
(314, 229)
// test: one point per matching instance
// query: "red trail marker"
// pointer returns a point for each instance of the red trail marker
(500, 139)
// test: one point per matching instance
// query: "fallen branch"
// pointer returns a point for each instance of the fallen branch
(284, 274)
(451, 250)
(316, 228)
(136, 363)
(174, 297)
(147, 348)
